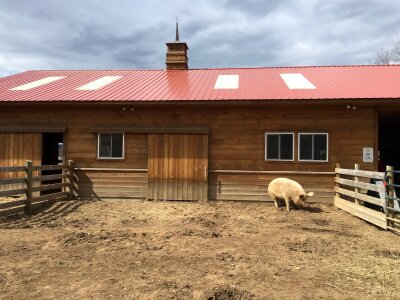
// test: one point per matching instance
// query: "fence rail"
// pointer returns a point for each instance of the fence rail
(374, 201)
(35, 189)
(352, 194)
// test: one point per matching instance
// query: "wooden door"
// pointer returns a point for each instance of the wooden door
(15, 150)
(177, 166)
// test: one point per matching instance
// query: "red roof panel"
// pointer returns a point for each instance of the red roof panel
(344, 82)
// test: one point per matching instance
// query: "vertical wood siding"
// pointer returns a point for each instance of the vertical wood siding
(236, 141)
(15, 150)
(177, 166)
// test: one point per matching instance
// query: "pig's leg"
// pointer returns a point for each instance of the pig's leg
(273, 197)
(287, 200)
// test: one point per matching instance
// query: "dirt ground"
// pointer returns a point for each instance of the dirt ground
(176, 250)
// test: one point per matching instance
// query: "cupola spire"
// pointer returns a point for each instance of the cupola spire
(177, 31)
(176, 58)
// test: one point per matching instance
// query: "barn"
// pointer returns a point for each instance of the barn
(201, 134)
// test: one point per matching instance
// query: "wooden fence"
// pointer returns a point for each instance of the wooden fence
(367, 195)
(392, 209)
(24, 188)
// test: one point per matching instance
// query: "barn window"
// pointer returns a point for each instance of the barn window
(279, 146)
(313, 146)
(111, 145)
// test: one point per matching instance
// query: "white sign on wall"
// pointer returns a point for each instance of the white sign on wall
(368, 154)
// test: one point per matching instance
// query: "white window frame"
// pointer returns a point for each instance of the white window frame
(313, 160)
(111, 158)
(265, 146)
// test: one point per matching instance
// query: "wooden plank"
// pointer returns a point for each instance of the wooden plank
(12, 169)
(202, 168)
(111, 170)
(12, 180)
(150, 188)
(357, 180)
(367, 214)
(32, 129)
(50, 196)
(185, 165)
(4, 205)
(28, 190)
(368, 174)
(205, 149)
(158, 171)
(12, 192)
(270, 172)
(150, 129)
(196, 172)
(175, 165)
(363, 197)
(180, 166)
(394, 229)
(47, 187)
(49, 177)
(363, 185)
(190, 175)
(394, 220)
(48, 168)
(170, 140)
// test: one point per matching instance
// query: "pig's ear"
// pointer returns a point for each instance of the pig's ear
(310, 194)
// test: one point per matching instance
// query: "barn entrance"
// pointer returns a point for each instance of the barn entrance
(52, 145)
(389, 139)
(177, 166)
(52, 154)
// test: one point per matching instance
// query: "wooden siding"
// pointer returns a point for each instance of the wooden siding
(101, 184)
(253, 187)
(236, 140)
(178, 166)
(15, 150)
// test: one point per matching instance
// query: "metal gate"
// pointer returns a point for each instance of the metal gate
(392, 202)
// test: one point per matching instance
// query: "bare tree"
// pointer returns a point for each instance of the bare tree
(396, 52)
(388, 56)
(383, 57)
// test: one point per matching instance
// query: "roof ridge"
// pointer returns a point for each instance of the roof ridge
(221, 68)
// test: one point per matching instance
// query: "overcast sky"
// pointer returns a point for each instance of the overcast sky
(130, 34)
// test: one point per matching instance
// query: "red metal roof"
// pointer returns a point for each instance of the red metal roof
(344, 82)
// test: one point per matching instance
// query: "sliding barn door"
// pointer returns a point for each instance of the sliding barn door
(15, 150)
(177, 166)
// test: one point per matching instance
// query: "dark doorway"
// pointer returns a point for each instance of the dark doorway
(389, 142)
(52, 154)
(389, 139)
(51, 145)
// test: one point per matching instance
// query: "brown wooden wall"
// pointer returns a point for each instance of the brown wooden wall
(15, 150)
(236, 140)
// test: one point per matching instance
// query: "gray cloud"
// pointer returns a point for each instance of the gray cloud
(123, 34)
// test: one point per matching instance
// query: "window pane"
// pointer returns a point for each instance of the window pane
(105, 145)
(272, 146)
(117, 145)
(306, 146)
(286, 146)
(320, 146)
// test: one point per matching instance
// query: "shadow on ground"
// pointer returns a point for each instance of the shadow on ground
(42, 216)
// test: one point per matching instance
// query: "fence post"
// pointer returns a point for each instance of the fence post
(71, 179)
(28, 190)
(356, 179)
(390, 194)
(336, 183)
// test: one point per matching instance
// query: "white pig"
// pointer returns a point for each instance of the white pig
(290, 190)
